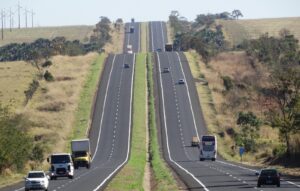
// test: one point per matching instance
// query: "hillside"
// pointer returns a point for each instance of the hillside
(237, 30)
(30, 34)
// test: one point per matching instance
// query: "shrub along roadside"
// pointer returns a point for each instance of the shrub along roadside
(82, 116)
(132, 175)
(163, 177)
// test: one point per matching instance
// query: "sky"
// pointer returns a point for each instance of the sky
(88, 12)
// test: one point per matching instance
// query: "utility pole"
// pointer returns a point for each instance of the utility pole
(32, 13)
(4, 18)
(10, 19)
(19, 14)
(25, 18)
(2, 30)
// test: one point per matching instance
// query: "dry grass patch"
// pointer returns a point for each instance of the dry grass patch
(54, 104)
(15, 78)
(237, 30)
(81, 33)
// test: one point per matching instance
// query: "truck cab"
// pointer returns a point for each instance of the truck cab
(61, 165)
(81, 153)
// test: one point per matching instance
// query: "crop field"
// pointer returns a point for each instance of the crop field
(81, 33)
(237, 30)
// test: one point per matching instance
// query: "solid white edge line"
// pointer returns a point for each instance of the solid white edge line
(129, 133)
(166, 131)
(103, 111)
(188, 91)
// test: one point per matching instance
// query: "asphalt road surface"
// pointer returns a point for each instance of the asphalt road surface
(181, 119)
(132, 39)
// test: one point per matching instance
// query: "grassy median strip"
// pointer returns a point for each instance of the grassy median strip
(132, 175)
(164, 179)
(83, 112)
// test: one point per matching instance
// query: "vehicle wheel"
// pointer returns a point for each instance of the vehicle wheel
(76, 166)
(213, 159)
(46, 189)
(201, 159)
(258, 185)
(88, 166)
(26, 189)
(278, 184)
(70, 177)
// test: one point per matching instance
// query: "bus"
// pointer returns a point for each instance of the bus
(208, 147)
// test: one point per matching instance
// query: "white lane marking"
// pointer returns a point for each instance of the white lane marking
(20, 189)
(103, 110)
(129, 133)
(188, 92)
(293, 183)
(166, 130)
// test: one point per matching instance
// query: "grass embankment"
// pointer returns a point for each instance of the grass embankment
(144, 37)
(237, 30)
(163, 178)
(81, 33)
(87, 95)
(132, 175)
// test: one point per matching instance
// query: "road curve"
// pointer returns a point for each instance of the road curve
(181, 118)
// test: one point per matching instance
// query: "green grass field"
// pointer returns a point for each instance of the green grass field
(237, 30)
(81, 33)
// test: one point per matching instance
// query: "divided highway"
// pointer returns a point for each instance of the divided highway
(181, 119)
(132, 39)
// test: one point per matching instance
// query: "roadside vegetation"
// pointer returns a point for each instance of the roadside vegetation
(131, 177)
(249, 92)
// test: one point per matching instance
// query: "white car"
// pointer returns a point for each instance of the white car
(36, 180)
(181, 81)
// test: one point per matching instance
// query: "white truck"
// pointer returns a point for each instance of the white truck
(61, 165)
(81, 153)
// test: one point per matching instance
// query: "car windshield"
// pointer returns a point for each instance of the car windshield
(36, 175)
(55, 159)
(268, 173)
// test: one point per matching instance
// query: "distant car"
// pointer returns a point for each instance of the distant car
(36, 180)
(158, 49)
(126, 66)
(268, 177)
(181, 81)
(166, 70)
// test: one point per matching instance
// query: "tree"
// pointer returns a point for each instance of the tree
(15, 142)
(249, 124)
(285, 115)
(236, 14)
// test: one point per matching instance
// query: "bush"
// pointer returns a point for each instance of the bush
(48, 76)
(279, 150)
(31, 90)
(227, 83)
(15, 142)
